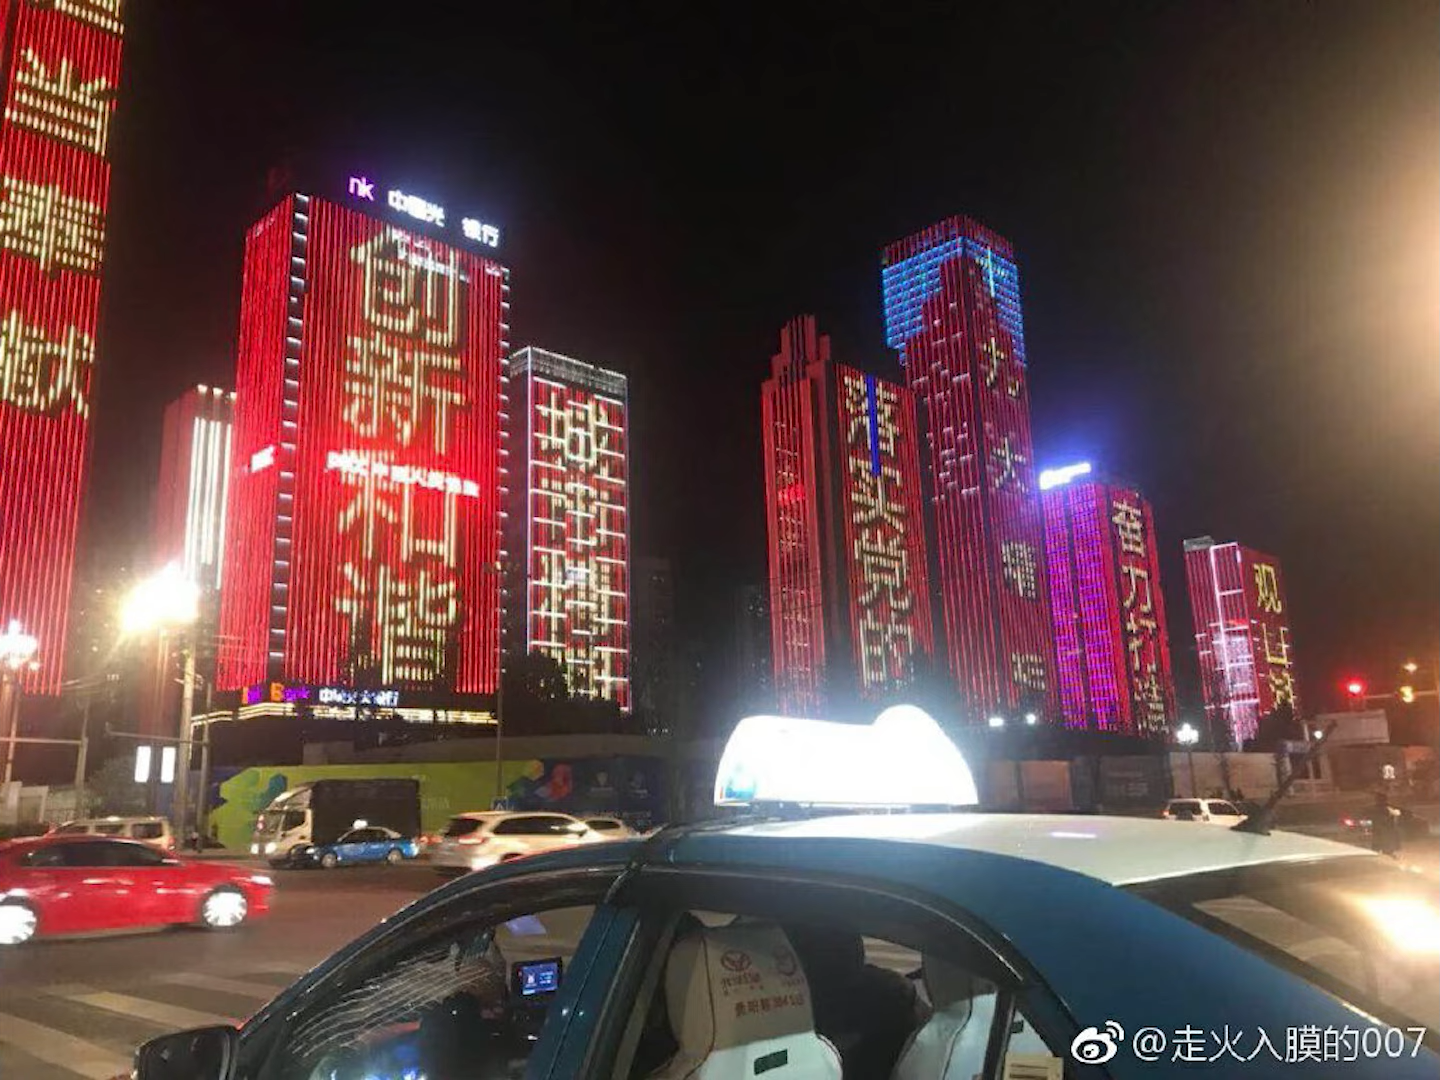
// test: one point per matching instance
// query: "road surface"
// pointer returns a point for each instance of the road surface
(78, 1008)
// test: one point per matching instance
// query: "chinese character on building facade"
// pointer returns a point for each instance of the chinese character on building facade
(400, 526)
(1138, 605)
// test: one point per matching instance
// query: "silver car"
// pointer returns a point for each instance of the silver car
(477, 840)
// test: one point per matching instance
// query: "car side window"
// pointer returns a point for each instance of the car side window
(147, 830)
(515, 826)
(134, 855)
(556, 826)
(44, 857)
(109, 828)
(1224, 808)
(469, 998)
(94, 853)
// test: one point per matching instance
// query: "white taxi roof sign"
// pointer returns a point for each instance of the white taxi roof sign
(902, 759)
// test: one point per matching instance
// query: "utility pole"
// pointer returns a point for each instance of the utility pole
(80, 756)
(180, 811)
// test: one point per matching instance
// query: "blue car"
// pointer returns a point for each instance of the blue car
(371, 844)
(903, 946)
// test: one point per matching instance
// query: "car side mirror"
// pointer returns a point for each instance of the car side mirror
(206, 1053)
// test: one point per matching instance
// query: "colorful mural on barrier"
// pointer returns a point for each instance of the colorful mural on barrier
(632, 787)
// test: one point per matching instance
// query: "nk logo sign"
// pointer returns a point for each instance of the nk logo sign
(411, 205)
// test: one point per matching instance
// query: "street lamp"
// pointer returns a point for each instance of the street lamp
(996, 721)
(1187, 736)
(17, 651)
(168, 603)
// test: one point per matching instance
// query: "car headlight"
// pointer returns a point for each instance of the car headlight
(270, 848)
(254, 849)
(261, 879)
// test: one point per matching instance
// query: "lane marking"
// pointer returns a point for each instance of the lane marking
(61, 1050)
(167, 1016)
(238, 987)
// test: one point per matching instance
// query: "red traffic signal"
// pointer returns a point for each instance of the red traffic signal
(1355, 688)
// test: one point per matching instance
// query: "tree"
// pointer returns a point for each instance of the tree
(1277, 726)
(113, 790)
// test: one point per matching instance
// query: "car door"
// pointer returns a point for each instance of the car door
(458, 984)
(54, 885)
(350, 847)
(160, 888)
(99, 891)
(372, 845)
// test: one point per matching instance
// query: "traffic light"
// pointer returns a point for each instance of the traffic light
(1407, 695)
(1355, 688)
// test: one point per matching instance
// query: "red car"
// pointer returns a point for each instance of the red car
(80, 884)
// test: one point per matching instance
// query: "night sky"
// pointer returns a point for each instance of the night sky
(1225, 215)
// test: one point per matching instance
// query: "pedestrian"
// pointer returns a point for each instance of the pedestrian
(1384, 826)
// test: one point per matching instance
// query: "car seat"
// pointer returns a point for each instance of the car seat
(739, 1006)
(950, 1045)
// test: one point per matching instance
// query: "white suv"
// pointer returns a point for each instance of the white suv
(154, 831)
(1210, 811)
(477, 840)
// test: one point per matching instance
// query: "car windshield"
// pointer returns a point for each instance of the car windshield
(1360, 928)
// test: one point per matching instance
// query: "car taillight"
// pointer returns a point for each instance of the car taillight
(473, 839)
(1348, 822)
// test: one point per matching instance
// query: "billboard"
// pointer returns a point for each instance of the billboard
(368, 488)
(884, 529)
(60, 64)
(577, 530)
(952, 311)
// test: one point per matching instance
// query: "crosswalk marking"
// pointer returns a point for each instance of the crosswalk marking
(169, 1016)
(62, 1050)
(238, 987)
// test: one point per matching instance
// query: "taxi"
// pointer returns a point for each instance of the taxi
(921, 940)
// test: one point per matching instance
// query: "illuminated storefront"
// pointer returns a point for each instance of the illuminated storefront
(368, 484)
(952, 311)
(59, 68)
(573, 453)
(1242, 634)
(849, 600)
(1111, 637)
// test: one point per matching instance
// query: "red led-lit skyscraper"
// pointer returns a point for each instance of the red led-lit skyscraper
(59, 70)
(1242, 635)
(952, 311)
(366, 498)
(1112, 645)
(574, 524)
(849, 595)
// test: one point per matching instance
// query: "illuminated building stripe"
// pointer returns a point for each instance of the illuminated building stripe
(61, 68)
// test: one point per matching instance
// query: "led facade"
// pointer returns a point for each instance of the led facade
(849, 595)
(952, 311)
(194, 484)
(1242, 635)
(367, 487)
(59, 69)
(574, 454)
(1111, 638)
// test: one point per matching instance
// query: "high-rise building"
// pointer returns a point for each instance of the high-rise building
(754, 686)
(573, 525)
(194, 483)
(849, 599)
(363, 538)
(952, 311)
(1242, 635)
(59, 71)
(655, 679)
(1112, 645)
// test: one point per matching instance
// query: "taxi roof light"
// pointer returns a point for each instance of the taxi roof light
(901, 760)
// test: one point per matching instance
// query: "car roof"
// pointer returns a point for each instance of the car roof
(499, 815)
(1116, 850)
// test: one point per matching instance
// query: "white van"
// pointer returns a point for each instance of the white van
(154, 831)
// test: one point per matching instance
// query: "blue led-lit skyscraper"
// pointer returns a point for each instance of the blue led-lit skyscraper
(952, 311)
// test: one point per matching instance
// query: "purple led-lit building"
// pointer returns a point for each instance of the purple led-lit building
(1112, 650)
